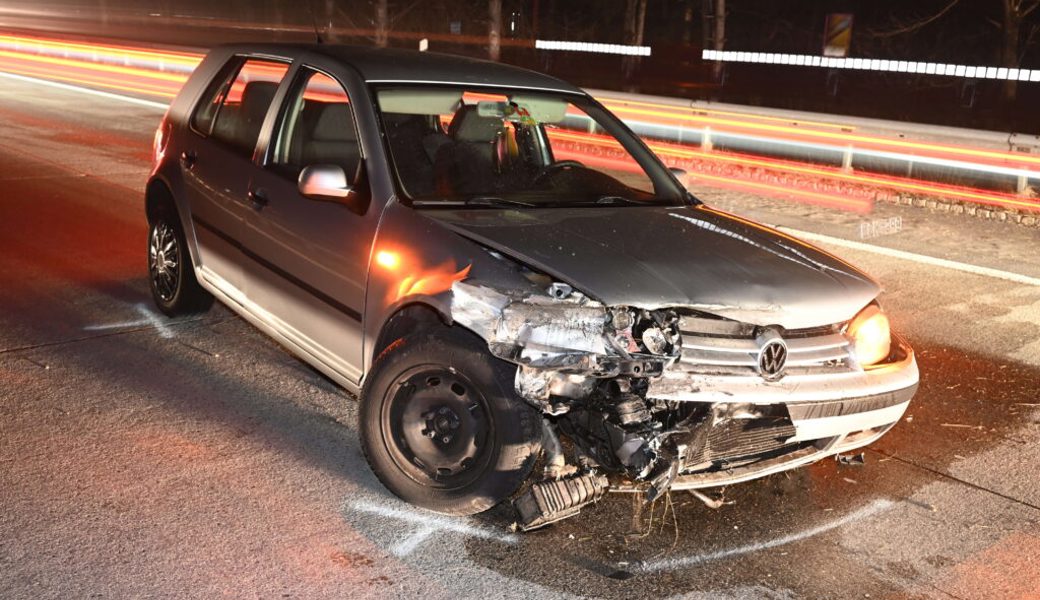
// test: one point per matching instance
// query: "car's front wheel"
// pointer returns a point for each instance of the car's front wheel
(171, 277)
(442, 427)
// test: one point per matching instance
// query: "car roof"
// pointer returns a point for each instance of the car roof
(394, 65)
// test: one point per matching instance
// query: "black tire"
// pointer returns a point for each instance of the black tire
(441, 425)
(171, 275)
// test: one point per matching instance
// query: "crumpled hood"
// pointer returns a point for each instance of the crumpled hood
(654, 257)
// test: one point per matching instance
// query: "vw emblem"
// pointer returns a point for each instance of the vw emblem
(772, 356)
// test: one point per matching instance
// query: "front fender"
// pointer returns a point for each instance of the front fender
(415, 260)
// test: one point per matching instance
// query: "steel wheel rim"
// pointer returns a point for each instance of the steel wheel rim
(164, 261)
(437, 427)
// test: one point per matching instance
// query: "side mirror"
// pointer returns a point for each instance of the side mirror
(324, 182)
(680, 174)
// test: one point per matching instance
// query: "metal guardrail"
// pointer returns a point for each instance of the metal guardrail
(990, 160)
(855, 154)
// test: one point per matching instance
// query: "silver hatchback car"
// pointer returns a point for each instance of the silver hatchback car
(494, 263)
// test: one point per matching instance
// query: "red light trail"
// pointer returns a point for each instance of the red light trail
(159, 73)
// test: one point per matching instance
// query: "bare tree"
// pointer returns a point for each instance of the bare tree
(1015, 44)
(720, 35)
(915, 25)
(495, 29)
(635, 23)
(1016, 33)
(687, 23)
(330, 18)
(713, 21)
(382, 23)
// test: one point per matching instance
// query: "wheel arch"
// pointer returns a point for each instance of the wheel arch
(158, 197)
(409, 318)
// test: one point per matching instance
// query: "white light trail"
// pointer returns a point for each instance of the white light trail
(85, 90)
(839, 148)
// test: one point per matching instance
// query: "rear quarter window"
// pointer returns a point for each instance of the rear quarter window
(235, 104)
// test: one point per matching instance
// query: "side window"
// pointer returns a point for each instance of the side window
(235, 105)
(317, 128)
(206, 111)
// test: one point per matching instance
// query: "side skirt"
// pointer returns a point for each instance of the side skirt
(298, 344)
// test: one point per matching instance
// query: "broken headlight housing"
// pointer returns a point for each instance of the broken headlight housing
(871, 335)
(638, 331)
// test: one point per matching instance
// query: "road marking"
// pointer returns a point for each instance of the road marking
(428, 524)
(85, 90)
(919, 258)
(669, 564)
(149, 319)
(154, 319)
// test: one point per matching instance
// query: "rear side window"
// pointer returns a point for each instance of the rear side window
(317, 128)
(234, 107)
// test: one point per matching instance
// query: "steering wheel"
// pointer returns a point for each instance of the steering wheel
(548, 170)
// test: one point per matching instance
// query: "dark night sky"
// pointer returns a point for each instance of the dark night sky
(968, 33)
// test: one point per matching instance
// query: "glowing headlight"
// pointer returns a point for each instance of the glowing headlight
(871, 337)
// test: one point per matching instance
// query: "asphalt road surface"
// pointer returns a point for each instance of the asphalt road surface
(147, 457)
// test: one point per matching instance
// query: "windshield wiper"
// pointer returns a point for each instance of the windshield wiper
(617, 200)
(496, 201)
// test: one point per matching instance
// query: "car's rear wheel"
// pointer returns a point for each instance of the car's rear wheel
(171, 277)
(442, 427)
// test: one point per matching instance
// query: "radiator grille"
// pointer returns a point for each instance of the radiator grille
(723, 347)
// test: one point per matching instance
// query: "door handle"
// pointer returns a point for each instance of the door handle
(258, 197)
(188, 159)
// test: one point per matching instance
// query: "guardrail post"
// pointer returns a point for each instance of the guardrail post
(706, 144)
(846, 159)
(1022, 186)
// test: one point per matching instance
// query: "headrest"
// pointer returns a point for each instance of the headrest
(334, 124)
(468, 126)
(257, 97)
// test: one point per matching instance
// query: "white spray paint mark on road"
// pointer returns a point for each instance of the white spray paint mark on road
(149, 319)
(154, 319)
(669, 564)
(427, 525)
(911, 256)
(92, 92)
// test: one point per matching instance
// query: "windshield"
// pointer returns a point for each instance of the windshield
(456, 146)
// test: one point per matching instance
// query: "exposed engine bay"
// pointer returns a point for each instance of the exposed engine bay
(596, 374)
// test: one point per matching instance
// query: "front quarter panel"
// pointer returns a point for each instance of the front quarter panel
(415, 261)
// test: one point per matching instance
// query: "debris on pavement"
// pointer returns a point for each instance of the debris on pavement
(854, 460)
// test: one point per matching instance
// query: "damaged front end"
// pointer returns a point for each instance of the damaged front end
(673, 398)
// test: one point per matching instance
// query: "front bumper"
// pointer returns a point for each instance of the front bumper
(811, 417)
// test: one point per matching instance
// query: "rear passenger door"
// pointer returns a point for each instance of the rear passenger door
(312, 254)
(218, 161)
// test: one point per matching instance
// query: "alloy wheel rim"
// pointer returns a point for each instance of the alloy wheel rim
(164, 255)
